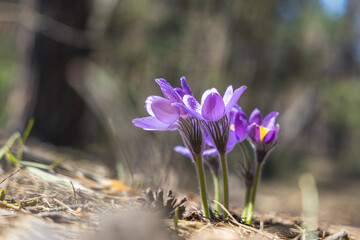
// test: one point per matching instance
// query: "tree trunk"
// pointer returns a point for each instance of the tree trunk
(57, 40)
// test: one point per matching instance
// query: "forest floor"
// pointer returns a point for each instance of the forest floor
(71, 198)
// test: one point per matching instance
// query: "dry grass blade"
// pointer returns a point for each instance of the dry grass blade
(65, 206)
(12, 174)
(247, 228)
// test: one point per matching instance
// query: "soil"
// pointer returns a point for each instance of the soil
(75, 200)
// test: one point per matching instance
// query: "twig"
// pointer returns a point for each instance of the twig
(12, 174)
(251, 229)
(56, 216)
(65, 206)
(73, 188)
(58, 209)
(230, 215)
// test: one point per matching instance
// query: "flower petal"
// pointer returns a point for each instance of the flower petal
(254, 132)
(210, 151)
(255, 117)
(192, 106)
(148, 102)
(230, 146)
(240, 125)
(152, 124)
(213, 108)
(168, 90)
(180, 92)
(228, 94)
(234, 98)
(233, 112)
(208, 140)
(165, 111)
(269, 120)
(185, 86)
(206, 93)
(270, 136)
(183, 150)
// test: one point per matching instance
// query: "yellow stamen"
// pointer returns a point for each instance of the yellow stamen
(202, 104)
(263, 132)
(232, 127)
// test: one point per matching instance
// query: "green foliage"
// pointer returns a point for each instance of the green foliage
(176, 218)
(2, 194)
(19, 141)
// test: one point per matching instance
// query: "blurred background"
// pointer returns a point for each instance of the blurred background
(83, 69)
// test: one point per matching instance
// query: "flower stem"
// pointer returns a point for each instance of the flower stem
(253, 194)
(201, 176)
(225, 183)
(246, 205)
(217, 193)
(245, 155)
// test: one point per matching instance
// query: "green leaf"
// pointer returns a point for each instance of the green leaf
(176, 218)
(12, 158)
(2, 194)
(34, 164)
(28, 130)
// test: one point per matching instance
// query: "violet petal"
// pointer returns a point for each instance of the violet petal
(180, 92)
(234, 98)
(210, 151)
(269, 120)
(168, 90)
(148, 102)
(206, 93)
(192, 106)
(228, 94)
(164, 110)
(255, 117)
(152, 124)
(240, 125)
(270, 136)
(185, 86)
(213, 108)
(270, 123)
(254, 132)
(183, 150)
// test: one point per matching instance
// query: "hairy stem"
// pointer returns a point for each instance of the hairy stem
(201, 176)
(246, 204)
(245, 155)
(225, 183)
(253, 194)
(217, 193)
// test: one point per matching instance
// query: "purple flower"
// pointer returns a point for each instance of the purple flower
(162, 110)
(263, 131)
(210, 149)
(213, 107)
(239, 123)
(186, 152)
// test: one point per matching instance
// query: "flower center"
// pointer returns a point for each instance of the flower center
(232, 127)
(263, 132)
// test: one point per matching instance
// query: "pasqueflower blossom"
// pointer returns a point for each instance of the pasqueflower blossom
(213, 107)
(263, 133)
(210, 150)
(162, 110)
(165, 114)
(238, 123)
(213, 112)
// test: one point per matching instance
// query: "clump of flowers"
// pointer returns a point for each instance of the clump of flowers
(210, 129)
